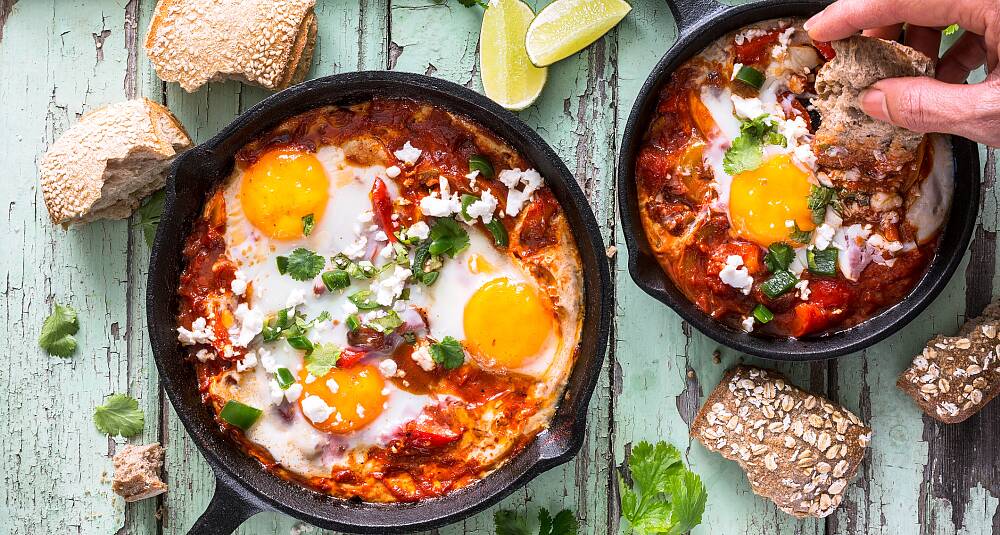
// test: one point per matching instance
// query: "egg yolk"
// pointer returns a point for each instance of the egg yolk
(354, 394)
(762, 200)
(280, 189)
(507, 323)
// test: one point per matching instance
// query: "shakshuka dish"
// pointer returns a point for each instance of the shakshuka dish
(746, 221)
(382, 302)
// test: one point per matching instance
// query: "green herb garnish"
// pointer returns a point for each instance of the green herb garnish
(951, 30)
(337, 279)
(750, 76)
(301, 343)
(499, 232)
(150, 214)
(467, 201)
(58, 330)
(448, 238)
(364, 300)
(239, 415)
(353, 322)
(822, 262)
(323, 358)
(448, 353)
(664, 497)
(762, 314)
(120, 415)
(481, 164)
(798, 235)
(747, 150)
(512, 523)
(388, 323)
(301, 265)
(779, 256)
(779, 283)
(819, 198)
(284, 378)
(308, 222)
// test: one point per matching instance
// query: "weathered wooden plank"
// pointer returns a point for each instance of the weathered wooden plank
(56, 67)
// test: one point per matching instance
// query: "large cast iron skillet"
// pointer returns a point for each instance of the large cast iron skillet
(699, 23)
(243, 487)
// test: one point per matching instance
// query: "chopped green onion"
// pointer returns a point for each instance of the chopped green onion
(353, 322)
(364, 300)
(762, 314)
(779, 256)
(750, 76)
(481, 164)
(284, 378)
(499, 232)
(337, 279)
(308, 222)
(823, 262)
(779, 283)
(300, 342)
(467, 201)
(239, 415)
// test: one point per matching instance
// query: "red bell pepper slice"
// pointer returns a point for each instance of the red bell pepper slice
(349, 357)
(825, 49)
(429, 434)
(382, 206)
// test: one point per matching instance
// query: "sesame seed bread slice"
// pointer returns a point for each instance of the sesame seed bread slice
(263, 42)
(798, 449)
(956, 376)
(105, 164)
(847, 137)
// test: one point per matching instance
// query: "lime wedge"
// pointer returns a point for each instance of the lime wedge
(566, 27)
(509, 78)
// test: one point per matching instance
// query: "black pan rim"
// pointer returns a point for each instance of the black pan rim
(555, 446)
(960, 226)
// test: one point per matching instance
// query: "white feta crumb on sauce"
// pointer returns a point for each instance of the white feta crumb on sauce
(736, 276)
(392, 171)
(823, 235)
(314, 408)
(443, 203)
(419, 230)
(422, 356)
(204, 355)
(333, 386)
(239, 284)
(803, 287)
(360, 410)
(472, 178)
(381, 236)
(748, 324)
(388, 368)
(249, 362)
(249, 323)
(516, 198)
(408, 154)
(199, 333)
(484, 207)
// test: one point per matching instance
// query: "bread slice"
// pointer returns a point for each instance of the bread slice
(263, 42)
(104, 165)
(137, 472)
(956, 376)
(798, 449)
(847, 137)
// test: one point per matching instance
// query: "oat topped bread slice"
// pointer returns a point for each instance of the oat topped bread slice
(847, 137)
(956, 376)
(798, 449)
(263, 42)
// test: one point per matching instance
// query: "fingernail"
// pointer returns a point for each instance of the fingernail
(873, 103)
(813, 19)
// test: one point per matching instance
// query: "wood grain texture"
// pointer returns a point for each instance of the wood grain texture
(61, 58)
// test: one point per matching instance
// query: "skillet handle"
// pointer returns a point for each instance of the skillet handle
(688, 13)
(226, 512)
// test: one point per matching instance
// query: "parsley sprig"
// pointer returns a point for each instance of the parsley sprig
(301, 265)
(322, 359)
(511, 523)
(747, 150)
(664, 496)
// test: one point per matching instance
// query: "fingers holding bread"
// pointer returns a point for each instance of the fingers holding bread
(263, 42)
(104, 165)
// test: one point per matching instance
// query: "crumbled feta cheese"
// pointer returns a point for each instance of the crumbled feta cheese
(349, 308)
(381, 236)
(516, 198)
(388, 289)
(387, 252)
(293, 392)
(249, 323)
(736, 70)
(790, 223)
(198, 334)
(267, 360)
(799, 263)
(310, 378)
(484, 207)
(823, 235)
(366, 216)
(804, 155)
(408, 154)
(472, 178)
(290, 394)
(248, 363)
(295, 298)
(441, 205)
(736, 276)
(748, 324)
(333, 386)
(748, 108)
(392, 171)
(314, 408)
(360, 410)
(388, 368)
(804, 291)
(239, 284)
(356, 250)
(783, 39)
(204, 355)
(422, 356)
(419, 230)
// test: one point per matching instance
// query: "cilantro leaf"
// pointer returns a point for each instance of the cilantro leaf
(564, 523)
(322, 359)
(388, 323)
(747, 151)
(150, 214)
(819, 198)
(308, 222)
(512, 523)
(301, 265)
(951, 30)
(448, 238)
(664, 496)
(58, 330)
(800, 236)
(448, 353)
(120, 415)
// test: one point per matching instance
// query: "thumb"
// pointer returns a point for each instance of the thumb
(927, 105)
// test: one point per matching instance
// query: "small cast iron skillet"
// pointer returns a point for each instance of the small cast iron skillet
(700, 22)
(243, 487)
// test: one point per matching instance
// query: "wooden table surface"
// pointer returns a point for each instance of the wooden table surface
(59, 58)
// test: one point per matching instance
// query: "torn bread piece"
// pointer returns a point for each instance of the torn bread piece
(847, 137)
(137, 472)
(263, 42)
(798, 449)
(956, 376)
(105, 164)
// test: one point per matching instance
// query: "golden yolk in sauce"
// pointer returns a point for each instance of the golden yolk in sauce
(354, 394)
(763, 200)
(507, 323)
(280, 189)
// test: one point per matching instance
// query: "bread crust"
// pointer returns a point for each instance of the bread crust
(105, 164)
(798, 449)
(954, 377)
(262, 42)
(137, 472)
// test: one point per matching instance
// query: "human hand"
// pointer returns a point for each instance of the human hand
(920, 104)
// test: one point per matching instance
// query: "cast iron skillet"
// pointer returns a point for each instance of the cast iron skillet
(700, 22)
(243, 488)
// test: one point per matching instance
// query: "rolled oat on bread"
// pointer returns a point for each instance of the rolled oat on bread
(798, 449)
